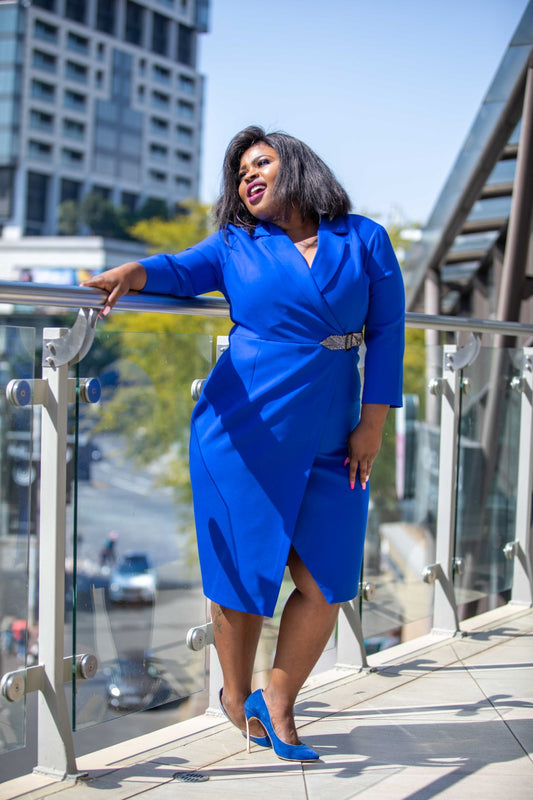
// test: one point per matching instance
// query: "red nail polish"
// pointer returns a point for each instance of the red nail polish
(346, 461)
(352, 484)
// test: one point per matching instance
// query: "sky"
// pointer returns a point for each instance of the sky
(385, 91)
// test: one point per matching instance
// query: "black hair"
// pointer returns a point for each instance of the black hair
(303, 181)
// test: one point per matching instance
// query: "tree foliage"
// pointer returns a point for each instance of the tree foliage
(156, 358)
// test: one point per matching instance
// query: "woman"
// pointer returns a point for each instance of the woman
(281, 445)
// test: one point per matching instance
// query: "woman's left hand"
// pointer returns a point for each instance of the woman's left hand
(364, 442)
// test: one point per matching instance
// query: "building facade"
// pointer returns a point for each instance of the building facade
(97, 95)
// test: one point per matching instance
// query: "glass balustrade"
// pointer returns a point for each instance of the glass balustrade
(486, 480)
(133, 578)
(19, 472)
(133, 586)
(396, 605)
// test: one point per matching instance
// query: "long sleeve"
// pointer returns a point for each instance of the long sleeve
(194, 271)
(384, 325)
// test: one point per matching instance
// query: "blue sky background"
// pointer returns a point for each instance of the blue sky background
(384, 90)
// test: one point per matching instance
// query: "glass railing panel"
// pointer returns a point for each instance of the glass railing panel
(19, 468)
(487, 479)
(400, 539)
(133, 578)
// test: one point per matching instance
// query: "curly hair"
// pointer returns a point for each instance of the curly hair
(303, 181)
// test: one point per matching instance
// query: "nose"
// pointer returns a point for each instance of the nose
(250, 174)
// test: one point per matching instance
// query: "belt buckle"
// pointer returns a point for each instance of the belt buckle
(348, 341)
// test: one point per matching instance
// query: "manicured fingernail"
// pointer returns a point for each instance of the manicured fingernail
(352, 484)
(346, 461)
(363, 486)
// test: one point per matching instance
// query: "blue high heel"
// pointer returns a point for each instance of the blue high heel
(262, 741)
(256, 708)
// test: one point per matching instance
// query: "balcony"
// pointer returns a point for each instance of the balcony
(426, 687)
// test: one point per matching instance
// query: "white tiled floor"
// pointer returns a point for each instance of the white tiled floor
(446, 718)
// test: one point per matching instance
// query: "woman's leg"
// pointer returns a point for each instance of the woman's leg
(236, 639)
(306, 625)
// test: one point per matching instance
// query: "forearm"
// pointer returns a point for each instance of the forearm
(373, 416)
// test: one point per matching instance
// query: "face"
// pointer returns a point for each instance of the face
(257, 173)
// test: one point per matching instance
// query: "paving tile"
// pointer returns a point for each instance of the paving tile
(446, 784)
(343, 780)
(283, 781)
(433, 742)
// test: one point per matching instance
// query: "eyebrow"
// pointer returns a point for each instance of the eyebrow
(254, 160)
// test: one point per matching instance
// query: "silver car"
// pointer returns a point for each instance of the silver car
(133, 580)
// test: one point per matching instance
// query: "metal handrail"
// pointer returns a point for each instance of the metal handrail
(42, 294)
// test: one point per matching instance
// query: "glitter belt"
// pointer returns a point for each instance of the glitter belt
(343, 342)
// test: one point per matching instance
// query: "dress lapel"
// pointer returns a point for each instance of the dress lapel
(331, 245)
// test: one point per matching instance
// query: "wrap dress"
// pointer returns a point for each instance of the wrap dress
(269, 431)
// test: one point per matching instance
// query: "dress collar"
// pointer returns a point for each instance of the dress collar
(337, 225)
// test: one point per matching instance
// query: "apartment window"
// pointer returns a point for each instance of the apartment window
(48, 5)
(100, 51)
(186, 84)
(185, 109)
(159, 126)
(134, 22)
(202, 16)
(105, 16)
(43, 30)
(185, 135)
(184, 184)
(40, 120)
(70, 190)
(75, 9)
(186, 45)
(99, 79)
(7, 182)
(76, 72)
(129, 201)
(43, 91)
(78, 43)
(71, 158)
(39, 150)
(183, 157)
(160, 34)
(44, 61)
(157, 176)
(158, 151)
(161, 74)
(103, 191)
(36, 196)
(73, 129)
(160, 99)
(74, 100)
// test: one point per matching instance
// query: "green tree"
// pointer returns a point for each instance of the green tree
(68, 218)
(156, 357)
(102, 217)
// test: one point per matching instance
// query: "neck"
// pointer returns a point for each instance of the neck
(298, 229)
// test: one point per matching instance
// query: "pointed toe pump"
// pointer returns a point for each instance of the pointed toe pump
(256, 708)
(262, 741)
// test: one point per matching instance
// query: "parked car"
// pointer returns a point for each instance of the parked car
(133, 580)
(139, 681)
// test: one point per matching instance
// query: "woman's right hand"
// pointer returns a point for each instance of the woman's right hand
(129, 277)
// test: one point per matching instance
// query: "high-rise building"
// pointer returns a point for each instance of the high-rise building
(97, 95)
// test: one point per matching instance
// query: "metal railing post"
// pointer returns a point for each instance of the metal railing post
(445, 612)
(520, 549)
(54, 736)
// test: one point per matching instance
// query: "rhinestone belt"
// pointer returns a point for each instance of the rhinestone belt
(343, 342)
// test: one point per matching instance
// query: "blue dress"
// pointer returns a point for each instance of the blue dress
(269, 432)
